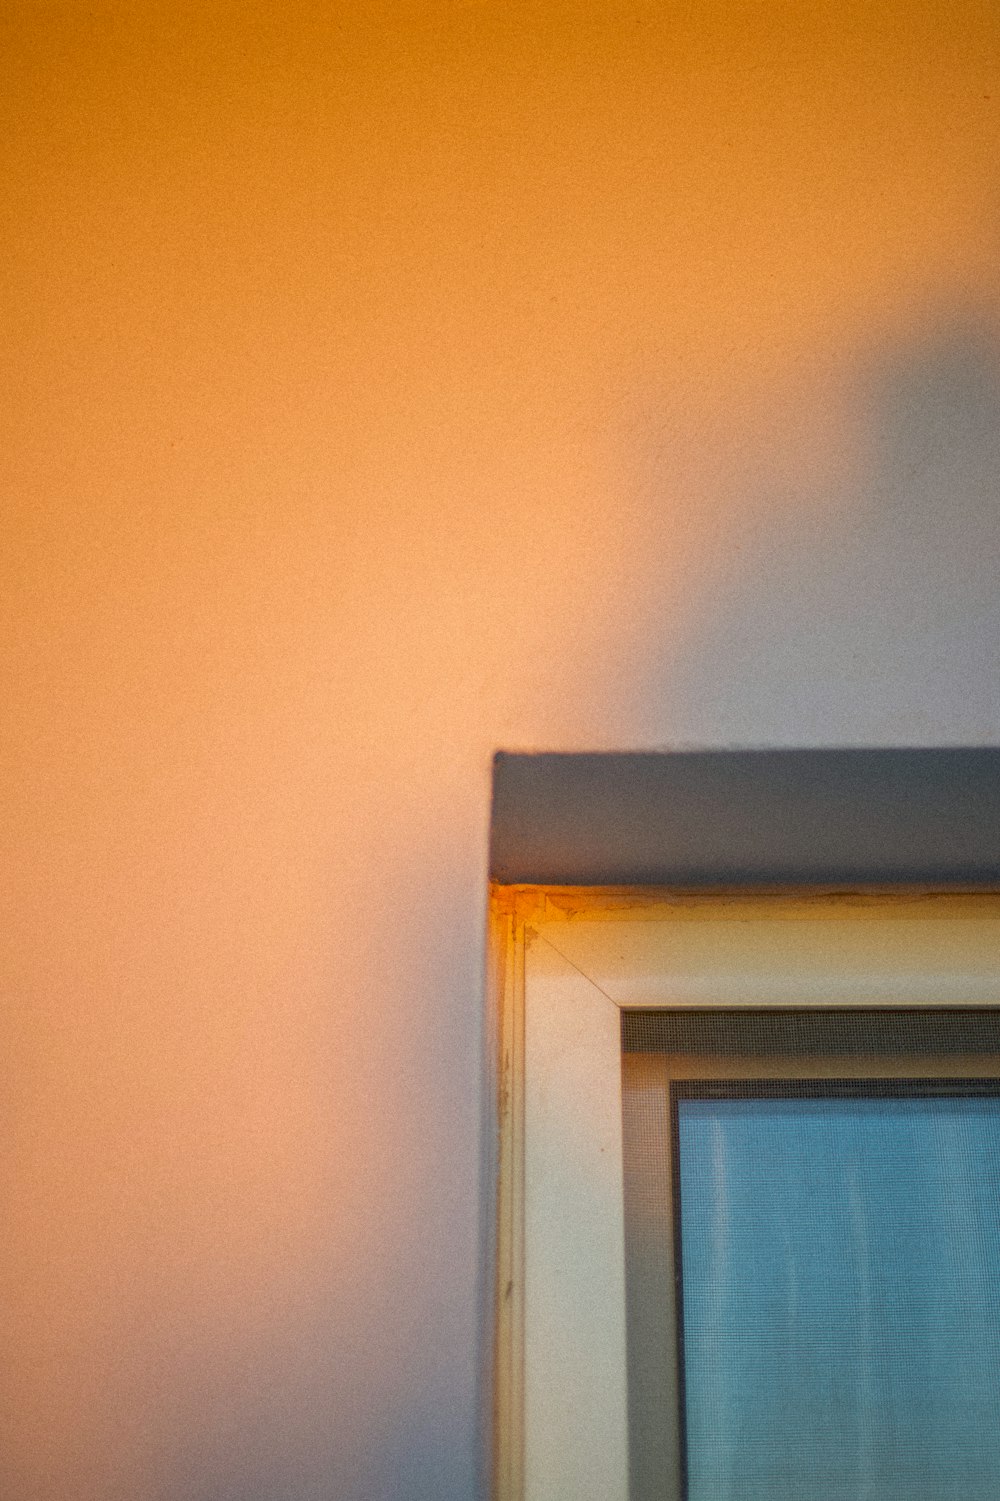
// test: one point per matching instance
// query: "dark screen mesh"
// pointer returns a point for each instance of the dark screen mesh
(812, 1034)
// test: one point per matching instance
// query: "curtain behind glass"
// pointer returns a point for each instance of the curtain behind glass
(841, 1273)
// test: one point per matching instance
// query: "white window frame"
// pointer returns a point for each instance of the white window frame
(566, 961)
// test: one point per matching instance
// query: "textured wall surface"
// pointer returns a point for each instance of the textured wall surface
(385, 384)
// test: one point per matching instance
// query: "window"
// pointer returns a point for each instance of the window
(749, 1197)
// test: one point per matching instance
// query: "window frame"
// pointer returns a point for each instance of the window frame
(565, 963)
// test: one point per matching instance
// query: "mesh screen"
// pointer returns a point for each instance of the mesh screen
(813, 1255)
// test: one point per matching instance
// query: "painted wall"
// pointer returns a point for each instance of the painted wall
(385, 384)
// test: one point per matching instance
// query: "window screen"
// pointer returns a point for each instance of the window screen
(813, 1255)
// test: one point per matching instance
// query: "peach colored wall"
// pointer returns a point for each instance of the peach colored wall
(384, 384)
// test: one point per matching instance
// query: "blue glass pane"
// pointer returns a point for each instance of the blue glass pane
(841, 1298)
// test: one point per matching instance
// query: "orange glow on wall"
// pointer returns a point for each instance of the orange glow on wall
(383, 388)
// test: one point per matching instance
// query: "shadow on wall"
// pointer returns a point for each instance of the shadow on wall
(841, 604)
(862, 607)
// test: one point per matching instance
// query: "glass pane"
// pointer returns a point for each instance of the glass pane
(840, 1266)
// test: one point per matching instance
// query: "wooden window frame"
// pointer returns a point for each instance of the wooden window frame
(565, 963)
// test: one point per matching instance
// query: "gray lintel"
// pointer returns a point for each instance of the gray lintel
(714, 820)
